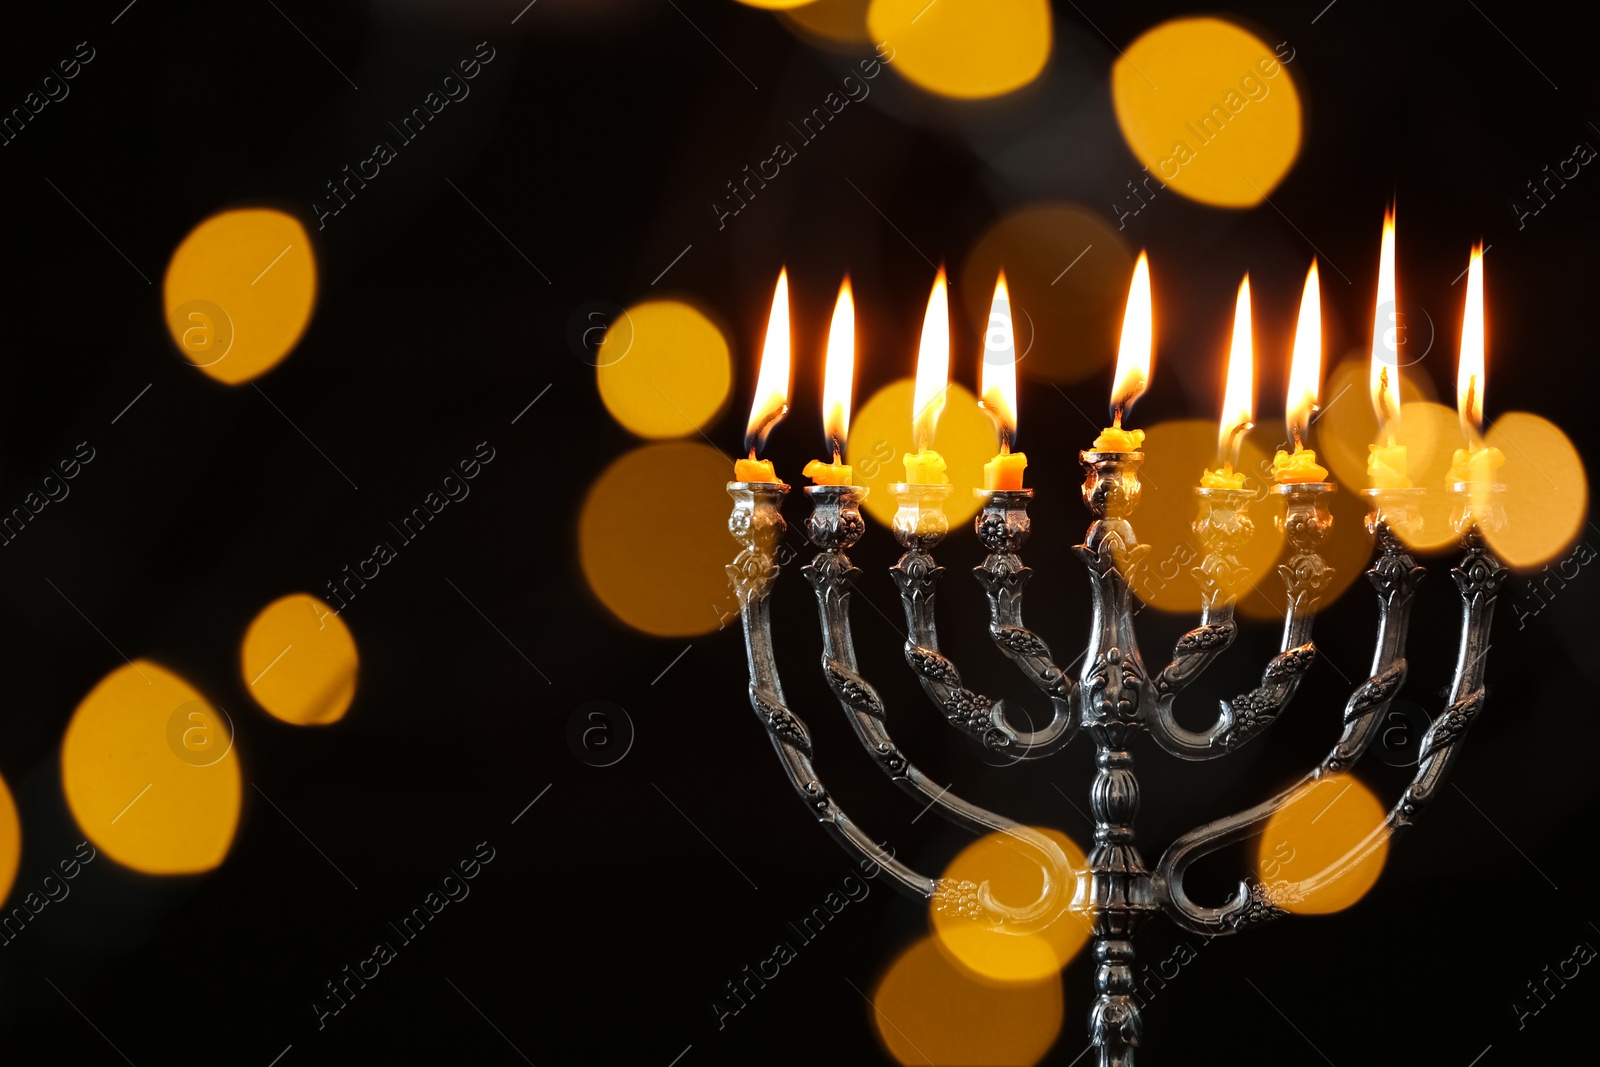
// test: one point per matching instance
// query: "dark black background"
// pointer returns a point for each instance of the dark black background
(595, 141)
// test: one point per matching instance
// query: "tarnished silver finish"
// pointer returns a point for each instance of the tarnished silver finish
(835, 525)
(1115, 695)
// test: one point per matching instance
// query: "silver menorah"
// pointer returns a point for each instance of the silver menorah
(1115, 695)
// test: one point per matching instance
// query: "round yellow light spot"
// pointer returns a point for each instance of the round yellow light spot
(966, 49)
(1176, 453)
(298, 660)
(149, 772)
(928, 1010)
(1309, 857)
(1209, 109)
(835, 22)
(239, 292)
(1547, 493)
(880, 435)
(676, 584)
(664, 369)
(10, 840)
(1028, 952)
(1067, 271)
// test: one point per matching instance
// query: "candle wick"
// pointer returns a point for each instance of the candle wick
(1005, 444)
(836, 453)
(1295, 433)
(1116, 416)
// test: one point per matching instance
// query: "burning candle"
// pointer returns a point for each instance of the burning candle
(1386, 464)
(837, 375)
(924, 466)
(998, 386)
(1475, 464)
(1134, 355)
(771, 401)
(1238, 399)
(1305, 377)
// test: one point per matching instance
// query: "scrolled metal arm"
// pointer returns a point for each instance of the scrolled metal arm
(1306, 575)
(757, 524)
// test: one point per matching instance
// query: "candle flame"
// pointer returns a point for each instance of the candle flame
(1469, 371)
(998, 384)
(1305, 368)
(771, 401)
(1385, 366)
(1238, 398)
(933, 366)
(1136, 350)
(839, 371)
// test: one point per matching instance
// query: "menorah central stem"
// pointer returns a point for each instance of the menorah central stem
(1114, 691)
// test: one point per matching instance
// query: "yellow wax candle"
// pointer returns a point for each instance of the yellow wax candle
(753, 470)
(1005, 471)
(1226, 478)
(926, 467)
(834, 473)
(1386, 466)
(1476, 465)
(1116, 439)
(1290, 468)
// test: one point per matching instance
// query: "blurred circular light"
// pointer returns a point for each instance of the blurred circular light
(135, 779)
(10, 840)
(1027, 953)
(1068, 274)
(1208, 108)
(968, 49)
(1176, 453)
(928, 1010)
(239, 292)
(1311, 834)
(298, 660)
(668, 579)
(776, 5)
(1547, 493)
(664, 369)
(880, 435)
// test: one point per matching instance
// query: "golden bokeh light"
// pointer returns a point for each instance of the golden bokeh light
(1067, 271)
(298, 660)
(239, 292)
(1209, 109)
(1026, 952)
(880, 434)
(1547, 493)
(1346, 549)
(776, 5)
(1302, 851)
(150, 773)
(1347, 423)
(929, 1010)
(672, 583)
(10, 841)
(664, 369)
(831, 22)
(967, 49)
(1175, 454)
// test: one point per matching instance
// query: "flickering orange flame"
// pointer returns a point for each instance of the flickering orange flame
(1305, 368)
(1470, 369)
(1385, 366)
(998, 380)
(771, 401)
(1238, 398)
(839, 371)
(933, 366)
(1136, 351)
